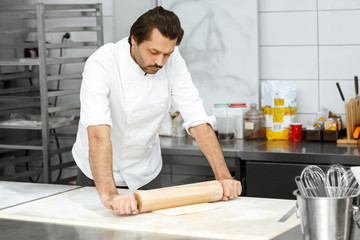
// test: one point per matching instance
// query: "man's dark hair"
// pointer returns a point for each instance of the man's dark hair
(165, 21)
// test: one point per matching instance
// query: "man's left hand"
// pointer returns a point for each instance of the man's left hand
(231, 188)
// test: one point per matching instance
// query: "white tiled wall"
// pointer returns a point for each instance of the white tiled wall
(339, 27)
(287, 5)
(338, 5)
(288, 62)
(339, 62)
(299, 28)
(314, 43)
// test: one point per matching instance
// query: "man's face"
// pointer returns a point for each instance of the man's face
(152, 54)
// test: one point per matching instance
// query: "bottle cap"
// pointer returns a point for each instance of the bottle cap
(238, 105)
(221, 105)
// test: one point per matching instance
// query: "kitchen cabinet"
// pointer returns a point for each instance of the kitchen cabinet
(266, 168)
(183, 162)
(276, 180)
(182, 169)
(272, 166)
(42, 108)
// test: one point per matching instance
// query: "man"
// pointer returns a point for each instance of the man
(125, 95)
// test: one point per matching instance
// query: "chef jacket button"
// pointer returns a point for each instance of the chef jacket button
(162, 105)
(156, 126)
(150, 146)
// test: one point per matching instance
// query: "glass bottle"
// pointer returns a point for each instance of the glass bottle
(254, 123)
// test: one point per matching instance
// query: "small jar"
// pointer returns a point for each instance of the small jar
(254, 123)
(339, 122)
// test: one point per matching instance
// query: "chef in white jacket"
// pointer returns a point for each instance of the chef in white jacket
(126, 92)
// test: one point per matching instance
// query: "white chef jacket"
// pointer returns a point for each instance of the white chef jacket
(116, 92)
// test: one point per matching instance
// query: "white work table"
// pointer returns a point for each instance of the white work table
(14, 193)
(242, 218)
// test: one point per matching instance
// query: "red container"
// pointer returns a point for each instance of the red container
(295, 131)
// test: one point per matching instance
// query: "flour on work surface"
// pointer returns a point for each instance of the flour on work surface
(195, 208)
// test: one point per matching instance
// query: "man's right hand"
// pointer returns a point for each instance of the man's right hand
(121, 204)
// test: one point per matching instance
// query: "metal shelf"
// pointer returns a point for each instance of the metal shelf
(63, 108)
(19, 62)
(21, 175)
(41, 96)
(63, 165)
(63, 124)
(18, 90)
(20, 160)
(20, 127)
(65, 180)
(64, 77)
(5, 77)
(49, 7)
(51, 45)
(36, 61)
(24, 147)
(20, 106)
(58, 93)
(52, 125)
(73, 45)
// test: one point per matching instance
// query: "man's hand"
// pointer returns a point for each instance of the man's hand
(121, 204)
(231, 188)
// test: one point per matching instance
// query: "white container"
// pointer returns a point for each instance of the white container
(224, 122)
(237, 111)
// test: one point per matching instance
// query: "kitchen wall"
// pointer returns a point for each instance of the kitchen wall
(314, 43)
(220, 48)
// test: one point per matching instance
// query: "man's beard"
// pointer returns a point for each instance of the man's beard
(151, 69)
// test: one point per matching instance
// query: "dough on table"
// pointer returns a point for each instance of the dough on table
(195, 208)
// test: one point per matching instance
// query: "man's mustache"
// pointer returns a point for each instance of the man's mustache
(157, 66)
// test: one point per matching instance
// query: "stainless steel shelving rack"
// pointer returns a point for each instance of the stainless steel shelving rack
(38, 97)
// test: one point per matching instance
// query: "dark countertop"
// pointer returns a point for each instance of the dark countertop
(271, 151)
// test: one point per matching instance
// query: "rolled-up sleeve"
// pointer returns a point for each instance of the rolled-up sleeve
(185, 95)
(95, 90)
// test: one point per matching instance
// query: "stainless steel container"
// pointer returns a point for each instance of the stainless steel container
(327, 218)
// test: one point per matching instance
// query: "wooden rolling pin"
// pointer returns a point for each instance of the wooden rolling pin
(177, 196)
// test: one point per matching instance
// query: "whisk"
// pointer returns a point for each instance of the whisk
(335, 179)
(337, 182)
(313, 178)
(349, 184)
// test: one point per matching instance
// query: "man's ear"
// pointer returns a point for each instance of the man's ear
(133, 40)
